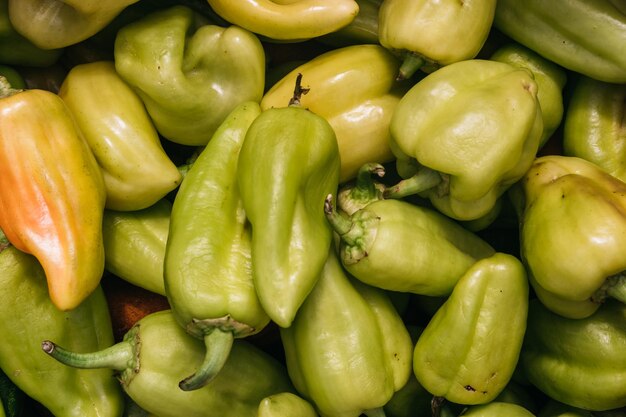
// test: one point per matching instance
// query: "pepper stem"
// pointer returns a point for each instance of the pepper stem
(375, 412)
(365, 188)
(423, 180)
(298, 91)
(5, 88)
(340, 222)
(218, 344)
(118, 357)
(410, 65)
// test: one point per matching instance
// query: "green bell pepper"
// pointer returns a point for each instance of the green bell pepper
(285, 404)
(585, 36)
(288, 164)
(578, 362)
(156, 353)
(396, 245)
(189, 74)
(469, 349)
(471, 130)
(347, 350)
(594, 128)
(208, 261)
(429, 34)
(572, 232)
(498, 409)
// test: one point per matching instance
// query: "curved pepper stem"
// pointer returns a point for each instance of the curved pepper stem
(365, 188)
(340, 222)
(410, 65)
(218, 344)
(119, 357)
(298, 92)
(425, 179)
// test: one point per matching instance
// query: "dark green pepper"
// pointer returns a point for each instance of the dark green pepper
(157, 353)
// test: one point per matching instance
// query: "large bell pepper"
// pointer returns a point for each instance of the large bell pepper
(594, 125)
(572, 234)
(207, 266)
(28, 317)
(469, 350)
(156, 353)
(51, 207)
(288, 164)
(288, 20)
(398, 246)
(432, 33)
(354, 89)
(586, 36)
(579, 362)
(137, 171)
(347, 351)
(189, 74)
(471, 129)
(52, 24)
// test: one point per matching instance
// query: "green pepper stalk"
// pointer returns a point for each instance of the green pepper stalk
(156, 353)
(207, 263)
(362, 190)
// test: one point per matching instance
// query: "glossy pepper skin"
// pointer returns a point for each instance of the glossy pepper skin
(189, 74)
(468, 351)
(134, 244)
(354, 89)
(398, 246)
(594, 128)
(208, 261)
(157, 353)
(553, 29)
(288, 164)
(429, 33)
(51, 207)
(347, 350)
(471, 130)
(285, 404)
(28, 318)
(572, 232)
(288, 20)
(578, 362)
(52, 24)
(137, 171)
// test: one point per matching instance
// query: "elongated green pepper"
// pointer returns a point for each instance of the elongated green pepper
(347, 350)
(288, 164)
(207, 266)
(398, 246)
(285, 404)
(28, 317)
(468, 351)
(157, 353)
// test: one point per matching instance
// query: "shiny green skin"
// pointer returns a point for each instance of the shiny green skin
(478, 123)
(578, 362)
(585, 36)
(498, 409)
(285, 404)
(550, 79)
(469, 350)
(397, 245)
(594, 128)
(29, 317)
(347, 350)
(208, 260)
(189, 74)
(134, 244)
(556, 409)
(288, 164)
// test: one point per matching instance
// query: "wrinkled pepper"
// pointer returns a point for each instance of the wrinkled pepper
(550, 79)
(190, 74)
(354, 89)
(53, 24)
(288, 164)
(578, 362)
(285, 404)
(464, 134)
(469, 349)
(585, 36)
(208, 261)
(288, 20)
(137, 171)
(429, 34)
(498, 409)
(396, 245)
(51, 207)
(156, 353)
(134, 244)
(572, 231)
(30, 317)
(347, 351)
(594, 128)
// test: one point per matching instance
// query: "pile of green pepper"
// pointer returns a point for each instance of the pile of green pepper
(381, 208)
